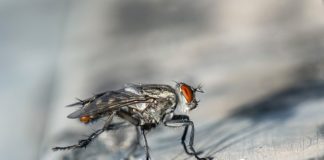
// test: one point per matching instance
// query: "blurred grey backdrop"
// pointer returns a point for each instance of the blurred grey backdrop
(261, 64)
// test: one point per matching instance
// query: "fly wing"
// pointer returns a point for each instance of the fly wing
(86, 101)
(107, 102)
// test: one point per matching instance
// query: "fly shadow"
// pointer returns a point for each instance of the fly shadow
(317, 158)
(263, 115)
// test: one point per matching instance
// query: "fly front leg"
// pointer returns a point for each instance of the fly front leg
(184, 135)
(184, 121)
(85, 142)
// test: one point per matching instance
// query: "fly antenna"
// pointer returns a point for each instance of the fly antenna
(198, 89)
(80, 100)
(177, 83)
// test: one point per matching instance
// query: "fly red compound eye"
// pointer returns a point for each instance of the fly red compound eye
(187, 92)
(85, 119)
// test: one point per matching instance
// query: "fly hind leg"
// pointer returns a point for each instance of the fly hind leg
(85, 142)
(82, 143)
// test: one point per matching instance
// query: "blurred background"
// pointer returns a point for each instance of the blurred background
(261, 64)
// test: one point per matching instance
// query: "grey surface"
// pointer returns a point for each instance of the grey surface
(30, 39)
(260, 62)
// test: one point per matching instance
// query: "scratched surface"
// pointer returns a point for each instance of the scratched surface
(261, 64)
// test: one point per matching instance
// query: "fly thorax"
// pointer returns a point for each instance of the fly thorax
(132, 89)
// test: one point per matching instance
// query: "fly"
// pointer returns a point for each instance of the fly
(143, 105)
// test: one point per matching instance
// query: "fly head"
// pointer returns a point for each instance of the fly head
(187, 96)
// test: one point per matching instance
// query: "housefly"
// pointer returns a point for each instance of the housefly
(143, 105)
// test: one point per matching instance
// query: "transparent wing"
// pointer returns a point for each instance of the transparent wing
(107, 102)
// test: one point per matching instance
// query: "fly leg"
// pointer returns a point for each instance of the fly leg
(128, 117)
(82, 143)
(184, 121)
(135, 144)
(184, 135)
(136, 122)
(85, 142)
(146, 145)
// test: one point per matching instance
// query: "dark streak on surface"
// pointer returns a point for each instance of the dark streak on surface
(263, 116)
